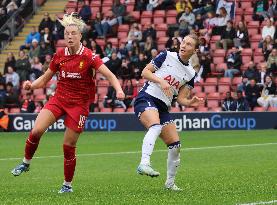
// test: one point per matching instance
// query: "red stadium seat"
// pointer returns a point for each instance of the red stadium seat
(224, 81)
(95, 3)
(197, 89)
(106, 109)
(215, 109)
(272, 109)
(201, 95)
(246, 59)
(123, 27)
(246, 4)
(247, 52)
(135, 15)
(103, 90)
(159, 13)
(161, 33)
(14, 110)
(105, 9)
(202, 109)
(215, 39)
(221, 67)
(175, 109)
(147, 14)
(211, 81)
(236, 81)
(209, 88)
(118, 109)
(219, 53)
(171, 13)
(122, 34)
(103, 83)
(161, 27)
(259, 109)
(39, 91)
(114, 41)
(158, 20)
(212, 103)
(130, 109)
(130, 8)
(239, 11)
(223, 88)
(258, 59)
(171, 20)
(249, 11)
(40, 97)
(213, 96)
(107, 3)
(189, 109)
(218, 60)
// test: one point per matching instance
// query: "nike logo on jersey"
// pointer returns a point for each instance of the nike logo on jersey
(172, 81)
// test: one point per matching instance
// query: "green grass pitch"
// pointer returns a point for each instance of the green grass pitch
(213, 170)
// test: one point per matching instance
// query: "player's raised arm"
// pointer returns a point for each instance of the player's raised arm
(147, 74)
(183, 97)
(113, 80)
(40, 82)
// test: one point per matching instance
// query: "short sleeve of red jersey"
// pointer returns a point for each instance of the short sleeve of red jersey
(54, 64)
(96, 61)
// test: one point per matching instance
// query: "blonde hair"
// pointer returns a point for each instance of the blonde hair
(72, 19)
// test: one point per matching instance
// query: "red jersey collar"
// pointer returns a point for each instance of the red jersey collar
(79, 52)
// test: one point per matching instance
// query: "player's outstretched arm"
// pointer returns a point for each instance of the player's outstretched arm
(147, 74)
(113, 80)
(40, 82)
(183, 97)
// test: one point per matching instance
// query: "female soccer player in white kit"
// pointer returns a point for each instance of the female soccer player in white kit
(168, 75)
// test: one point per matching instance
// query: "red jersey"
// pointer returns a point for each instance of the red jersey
(75, 75)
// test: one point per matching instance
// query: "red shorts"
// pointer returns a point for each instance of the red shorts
(75, 115)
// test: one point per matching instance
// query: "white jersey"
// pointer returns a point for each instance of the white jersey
(171, 68)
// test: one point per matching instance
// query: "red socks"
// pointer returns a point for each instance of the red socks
(69, 162)
(31, 146)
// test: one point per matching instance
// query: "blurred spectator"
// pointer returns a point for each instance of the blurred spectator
(39, 105)
(47, 38)
(221, 21)
(228, 6)
(188, 17)
(11, 6)
(227, 37)
(3, 17)
(85, 12)
(35, 49)
(149, 31)
(241, 102)
(148, 46)
(139, 66)
(170, 40)
(234, 61)
(182, 4)
(36, 69)
(2, 78)
(268, 29)
(272, 62)
(46, 64)
(135, 48)
(108, 49)
(204, 58)
(175, 45)
(262, 73)
(260, 8)
(28, 105)
(242, 38)
(183, 28)
(272, 10)
(243, 84)
(96, 48)
(252, 93)
(273, 101)
(12, 77)
(58, 30)
(101, 25)
(11, 99)
(132, 56)
(46, 22)
(126, 70)
(44, 50)
(111, 101)
(32, 35)
(23, 66)
(209, 24)
(9, 62)
(4, 119)
(140, 5)
(119, 11)
(166, 5)
(267, 92)
(134, 34)
(152, 5)
(122, 51)
(199, 23)
(251, 72)
(267, 46)
(114, 64)
(229, 103)
(2, 93)
(130, 93)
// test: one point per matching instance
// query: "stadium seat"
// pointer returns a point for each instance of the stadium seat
(102, 90)
(259, 109)
(39, 91)
(158, 20)
(202, 109)
(175, 109)
(171, 20)
(107, 3)
(130, 8)
(135, 15)
(211, 81)
(224, 81)
(104, 109)
(118, 109)
(218, 60)
(159, 13)
(246, 59)
(40, 97)
(272, 109)
(14, 110)
(114, 41)
(209, 88)
(219, 53)
(161, 33)
(106, 9)
(189, 109)
(215, 38)
(223, 88)
(247, 52)
(95, 3)
(245, 4)
(200, 94)
(212, 103)
(123, 27)
(215, 109)
(258, 59)
(161, 27)
(171, 13)
(239, 11)
(236, 80)
(197, 89)
(130, 109)
(213, 96)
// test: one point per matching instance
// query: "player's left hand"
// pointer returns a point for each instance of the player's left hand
(196, 100)
(120, 95)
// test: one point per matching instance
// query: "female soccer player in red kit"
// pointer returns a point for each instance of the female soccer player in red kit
(76, 66)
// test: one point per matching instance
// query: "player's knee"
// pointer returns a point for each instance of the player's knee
(37, 132)
(157, 127)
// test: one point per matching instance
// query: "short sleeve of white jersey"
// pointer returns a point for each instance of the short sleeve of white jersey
(159, 60)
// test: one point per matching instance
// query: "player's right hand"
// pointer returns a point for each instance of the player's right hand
(166, 88)
(27, 85)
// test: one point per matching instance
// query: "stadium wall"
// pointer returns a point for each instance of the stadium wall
(184, 121)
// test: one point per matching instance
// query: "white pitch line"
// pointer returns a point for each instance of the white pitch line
(260, 202)
(136, 152)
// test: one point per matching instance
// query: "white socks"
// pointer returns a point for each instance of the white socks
(173, 161)
(26, 161)
(67, 183)
(149, 142)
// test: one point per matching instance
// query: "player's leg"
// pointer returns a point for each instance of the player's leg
(150, 119)
(171, 138)
(44, 119)
(69, 146)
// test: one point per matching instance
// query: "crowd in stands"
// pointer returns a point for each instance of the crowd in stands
(236, 60)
